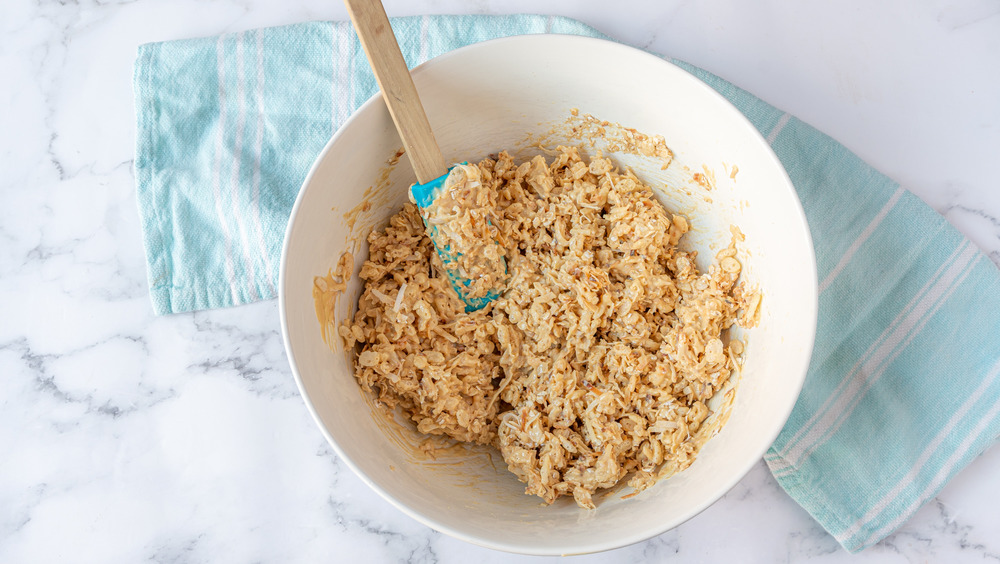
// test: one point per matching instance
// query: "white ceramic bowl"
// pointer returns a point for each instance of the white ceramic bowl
(488, 97)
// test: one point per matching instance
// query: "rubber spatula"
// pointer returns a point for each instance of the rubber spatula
(400, 95)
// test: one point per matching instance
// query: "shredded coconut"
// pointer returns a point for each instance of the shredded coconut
(399, 298)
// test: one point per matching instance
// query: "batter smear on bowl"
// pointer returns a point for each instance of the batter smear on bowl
(598, 360)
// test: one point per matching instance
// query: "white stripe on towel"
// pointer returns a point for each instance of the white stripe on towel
(334, 79)
(217, 167)
(865, 234)
(347, 74)
(918, 465)
(424, 44)
(943, 474)
(870, 367)
(234, 181)
(258, 147)
(782, 122)
(343, 40)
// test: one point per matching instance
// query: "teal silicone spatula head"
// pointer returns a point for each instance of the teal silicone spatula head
(466, 262)
(400, 95)
(423, 194)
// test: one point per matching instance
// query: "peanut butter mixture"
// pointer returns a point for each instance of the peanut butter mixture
(597, 362)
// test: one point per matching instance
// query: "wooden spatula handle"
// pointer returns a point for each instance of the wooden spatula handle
(398, 90)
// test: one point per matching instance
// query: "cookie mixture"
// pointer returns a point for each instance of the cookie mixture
(598, 360)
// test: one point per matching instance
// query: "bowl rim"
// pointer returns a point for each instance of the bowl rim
(513, 547)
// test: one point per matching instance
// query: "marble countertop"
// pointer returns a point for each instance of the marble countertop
(127, 437)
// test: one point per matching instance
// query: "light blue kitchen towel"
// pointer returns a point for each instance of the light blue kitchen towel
(904, 386)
